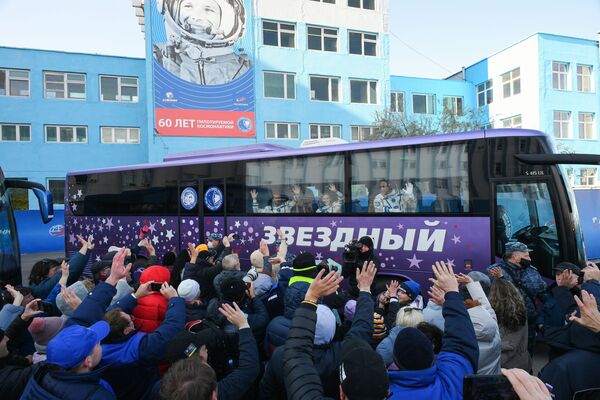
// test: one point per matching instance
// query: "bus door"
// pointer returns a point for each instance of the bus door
(524, 213)
(201, 210)
(212, 210)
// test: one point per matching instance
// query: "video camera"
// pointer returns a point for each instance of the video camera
(351, 251)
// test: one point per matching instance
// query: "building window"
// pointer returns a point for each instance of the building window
(423, 103)
(362, 133)
(118, 88)
(511, 82)
(325, 131)
(397, 102)
(562, 124)
(14, 82)
(587, 176)
(454, 105)
(362, 43)
(584, 78)
(120, 135)
(66, 134)
(15, 133)
(560, 75)
(282, 130)
(280, 85)
(279, 34)
(56, 186)
(325, 1)
(512, 122)
(586, 125)
(363, 92)
(366, 4)
(324, 39)
(324, 88)
(62, 85)
(485, 93)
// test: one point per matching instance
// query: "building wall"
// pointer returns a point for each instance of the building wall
(303, 63)
(572, 51)
(38, 160)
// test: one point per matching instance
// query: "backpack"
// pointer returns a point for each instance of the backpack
(223, 348)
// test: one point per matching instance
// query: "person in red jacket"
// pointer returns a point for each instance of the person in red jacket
(151, 310)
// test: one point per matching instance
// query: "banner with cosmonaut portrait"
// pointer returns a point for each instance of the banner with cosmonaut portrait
(203, 67)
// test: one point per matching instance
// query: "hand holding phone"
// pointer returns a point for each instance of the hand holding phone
(484, 387)
(45, 307)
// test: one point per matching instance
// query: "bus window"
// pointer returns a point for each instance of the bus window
(432, 179)
(524, 213)
(299, 185)
(9, 261)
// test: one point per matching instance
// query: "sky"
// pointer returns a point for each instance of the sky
(430, 39)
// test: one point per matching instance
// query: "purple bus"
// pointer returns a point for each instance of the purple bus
(453, 197)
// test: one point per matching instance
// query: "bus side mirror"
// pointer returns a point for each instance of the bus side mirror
(46, 204)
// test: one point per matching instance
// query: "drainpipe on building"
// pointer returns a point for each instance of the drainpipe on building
(464, 76)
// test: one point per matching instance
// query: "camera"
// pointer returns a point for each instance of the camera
(351, 251)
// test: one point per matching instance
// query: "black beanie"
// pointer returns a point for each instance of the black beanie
(233, 289)
(305, 265)
(413, 351)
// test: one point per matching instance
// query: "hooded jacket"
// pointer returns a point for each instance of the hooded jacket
(349, 269)
(483, 319)
(457, 358)
(150, 310)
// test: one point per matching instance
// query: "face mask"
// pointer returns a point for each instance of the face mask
(525, 263)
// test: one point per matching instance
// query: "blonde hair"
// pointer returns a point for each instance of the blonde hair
(409, 317)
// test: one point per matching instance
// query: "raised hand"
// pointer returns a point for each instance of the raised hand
(31, 310)
(234, 315)
(323, 285)
(118, 270)
(392, 288)
(143, 290)
(526, 386)
(16, 295)
(253, 194)
(70, 297)
(444, 277)
(365, 276)
(332, 187)
(496, 272)
(192, 252)
(591, 272)
(280, 234)
(437, 295)
(588, 309)
(463, 278)
(567, 279)
(168, 291)
(225, 241)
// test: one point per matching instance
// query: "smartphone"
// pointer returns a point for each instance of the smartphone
(190, 350)
(488, 387)
(235, 236)
(155, 286)
(46, 307)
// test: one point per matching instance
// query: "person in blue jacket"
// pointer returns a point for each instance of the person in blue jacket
(422, 376)
(75, 352)
(46, 273)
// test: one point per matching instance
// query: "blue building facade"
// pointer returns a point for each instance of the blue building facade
(68, 111)
(64, 111)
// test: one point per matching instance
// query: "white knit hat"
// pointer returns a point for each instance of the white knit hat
(189, 289)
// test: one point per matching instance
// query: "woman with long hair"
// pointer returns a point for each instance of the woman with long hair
(511, 313)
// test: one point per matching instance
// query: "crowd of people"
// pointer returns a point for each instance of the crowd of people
(200, 325)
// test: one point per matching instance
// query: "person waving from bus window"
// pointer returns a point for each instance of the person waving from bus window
(332, 200)
(278, 204)
(302, 200)
(388, 200)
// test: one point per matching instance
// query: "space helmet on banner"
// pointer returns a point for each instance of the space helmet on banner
(221, 24)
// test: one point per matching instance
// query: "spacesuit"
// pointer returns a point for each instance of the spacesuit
(201, 35)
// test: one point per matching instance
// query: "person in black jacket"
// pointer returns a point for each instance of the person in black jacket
(204, 267)
(192, 377)
(362, 372)
(366, 253)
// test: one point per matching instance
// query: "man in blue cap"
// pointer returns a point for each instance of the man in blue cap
(516, 268)
(72, 356)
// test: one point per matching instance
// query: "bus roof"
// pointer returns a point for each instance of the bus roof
(264, 150)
